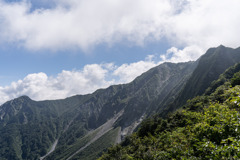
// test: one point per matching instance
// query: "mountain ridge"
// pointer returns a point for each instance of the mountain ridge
(210, 66)
(74, 121)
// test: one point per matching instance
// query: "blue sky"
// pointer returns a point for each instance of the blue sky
(52, 49)
(20, 62)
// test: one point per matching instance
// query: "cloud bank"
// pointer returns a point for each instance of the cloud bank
(87, 23)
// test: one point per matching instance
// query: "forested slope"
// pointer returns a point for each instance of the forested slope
(207, 127)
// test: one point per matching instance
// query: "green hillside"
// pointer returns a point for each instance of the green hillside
(207, 127)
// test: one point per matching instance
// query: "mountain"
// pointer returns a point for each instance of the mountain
(80, 121)
(207, 128)
(210, 66)
(126, 107)
(82, 126)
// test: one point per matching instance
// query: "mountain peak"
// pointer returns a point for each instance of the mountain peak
(221, 46)
(210, 66)
(24, 97)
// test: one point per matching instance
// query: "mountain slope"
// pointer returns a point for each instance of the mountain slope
(206, 129)
(133, 100)
(210, 66)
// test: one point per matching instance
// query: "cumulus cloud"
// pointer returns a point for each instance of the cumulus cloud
(127, 72)
(86, 23)
(175, 55)
(79, 23)
(40, 86)
(206, 23)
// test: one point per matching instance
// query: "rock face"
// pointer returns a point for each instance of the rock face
(84, 125)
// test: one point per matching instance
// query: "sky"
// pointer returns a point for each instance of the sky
(53, 49)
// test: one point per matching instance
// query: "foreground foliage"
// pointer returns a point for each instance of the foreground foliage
(207, 128)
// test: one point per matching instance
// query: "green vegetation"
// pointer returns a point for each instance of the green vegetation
(28, 128)
(225, 77)
(95, 149)
(208, 127)
(63, 151)
(91, 152)
(27, 135)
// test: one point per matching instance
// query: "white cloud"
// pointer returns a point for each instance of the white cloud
(206, 23)
(79, 23)
(127, 72)
(67, 83)
(39, 86)
(175, 55)
(86, 23)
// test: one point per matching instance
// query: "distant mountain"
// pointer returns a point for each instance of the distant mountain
(82, 126)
